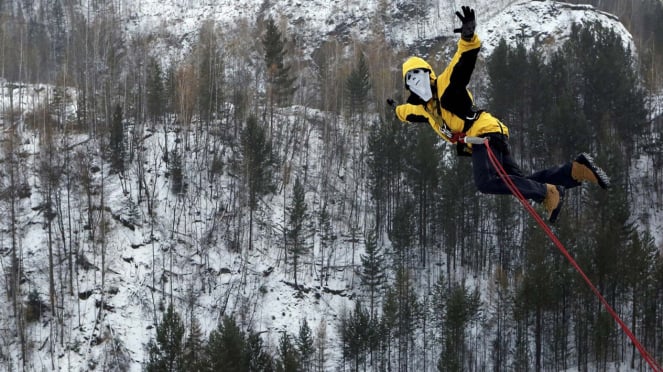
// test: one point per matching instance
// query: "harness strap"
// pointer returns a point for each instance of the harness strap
(469, 121)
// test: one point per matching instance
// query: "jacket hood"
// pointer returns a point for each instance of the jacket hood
(416, 62)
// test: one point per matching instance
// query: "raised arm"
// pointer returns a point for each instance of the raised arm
(459, 71)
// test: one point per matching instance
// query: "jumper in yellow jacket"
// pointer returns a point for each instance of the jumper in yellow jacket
(451, 111)
(446, 104)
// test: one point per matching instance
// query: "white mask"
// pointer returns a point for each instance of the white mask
(418, 81)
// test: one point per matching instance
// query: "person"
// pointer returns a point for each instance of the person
(445, 103)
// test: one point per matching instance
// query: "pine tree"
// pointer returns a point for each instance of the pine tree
(386, 144)
(256, 166)
(40, 52)
(597, 52)
(305, 346)
(566, 115)
(58, 31)
(296, 230)
(509, 90)
(462, 306)
(176, 168)
(408, 313)
(258, 358)
(535, 295)
(155, 90)
(521, 357)
(640, 266)
(169, 96)
(423, 166)
(354, 327)
(603, 251)
(116, 142)
(455, 181)
(167, 353)
(226, 348)
(194, 353)
(439, 302)
(388, 323)
(654, 310)
(357, 87)
(402, 234)
(320, 347)
(373, 272)
(280, 83)
(502, 75)
(288, 359)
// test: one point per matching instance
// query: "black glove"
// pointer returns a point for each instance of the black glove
(391, 102)
(469, 24)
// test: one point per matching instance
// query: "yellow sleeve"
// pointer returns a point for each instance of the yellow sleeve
(409, 113)
(412, 113)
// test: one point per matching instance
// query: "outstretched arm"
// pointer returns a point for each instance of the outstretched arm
(462, 65)
(409, 113)
(454, 79)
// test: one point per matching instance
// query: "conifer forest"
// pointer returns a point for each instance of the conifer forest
(246, 200)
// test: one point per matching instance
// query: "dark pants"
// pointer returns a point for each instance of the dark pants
(488, 181)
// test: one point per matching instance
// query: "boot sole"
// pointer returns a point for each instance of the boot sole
(587, 160)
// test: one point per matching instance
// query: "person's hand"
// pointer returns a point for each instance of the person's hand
(391, 102)
(469, 23)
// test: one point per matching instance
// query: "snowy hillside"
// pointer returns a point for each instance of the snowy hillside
(134, 263)
(538, 23)
(176, 253)
(545, 24)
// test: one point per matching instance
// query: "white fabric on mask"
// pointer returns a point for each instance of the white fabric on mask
(418, 81)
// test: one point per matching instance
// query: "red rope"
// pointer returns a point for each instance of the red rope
(507, 180)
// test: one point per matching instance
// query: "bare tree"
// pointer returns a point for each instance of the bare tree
(11, 193)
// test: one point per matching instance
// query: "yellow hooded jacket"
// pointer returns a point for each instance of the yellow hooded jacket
(452, 105)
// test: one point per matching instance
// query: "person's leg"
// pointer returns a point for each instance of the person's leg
(559, 175)
(572, 174)
(488, 181)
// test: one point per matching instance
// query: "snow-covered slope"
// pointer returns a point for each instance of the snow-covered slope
(538, 23)
(545, 24)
